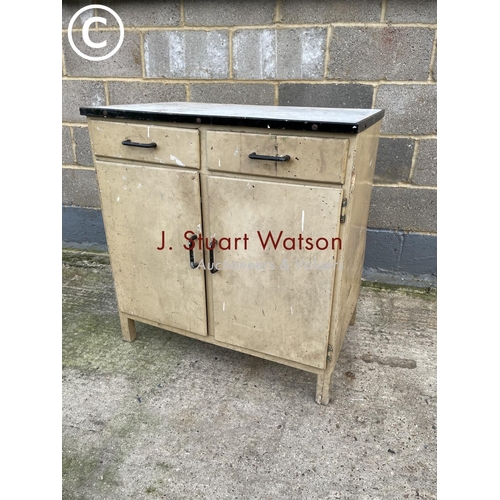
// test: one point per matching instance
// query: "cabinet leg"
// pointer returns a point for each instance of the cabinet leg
(353, 317)
(128, 328)
(323, 387)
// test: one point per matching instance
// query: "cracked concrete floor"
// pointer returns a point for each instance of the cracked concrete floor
(174, 418)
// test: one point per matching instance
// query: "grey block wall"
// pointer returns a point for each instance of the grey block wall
(332, 53)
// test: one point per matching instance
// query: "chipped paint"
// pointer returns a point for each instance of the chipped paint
(146, 56)
(311, 55)
(177, 54)
(303, 216)
(268, 54)
(177, 161)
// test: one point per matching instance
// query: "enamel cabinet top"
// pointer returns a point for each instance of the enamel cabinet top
(339, 120)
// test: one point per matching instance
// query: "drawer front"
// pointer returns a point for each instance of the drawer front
(174, 146)
(311, 158)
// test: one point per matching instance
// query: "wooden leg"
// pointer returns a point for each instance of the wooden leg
(323, 387)
(128, 328)
(353, 317)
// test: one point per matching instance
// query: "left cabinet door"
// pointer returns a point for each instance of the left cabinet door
(145, 208)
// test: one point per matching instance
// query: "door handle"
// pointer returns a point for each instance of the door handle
(213, 269)
(192, 263)
(128, 142)
(255, 156)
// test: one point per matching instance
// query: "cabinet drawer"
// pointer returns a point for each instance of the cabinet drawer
(311, 158)
(174, 146)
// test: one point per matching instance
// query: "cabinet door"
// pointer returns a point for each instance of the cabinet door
(274, 300)
(138, 203)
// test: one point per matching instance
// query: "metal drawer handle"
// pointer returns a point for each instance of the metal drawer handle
(128, 142)
(192, 263)
(255, 156)
(213, 269)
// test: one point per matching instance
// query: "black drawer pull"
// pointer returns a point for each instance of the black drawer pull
(192, 263)
(255, 156)
(213, 269)
(128, 142)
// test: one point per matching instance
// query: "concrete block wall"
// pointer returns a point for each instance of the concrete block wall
(333, 53)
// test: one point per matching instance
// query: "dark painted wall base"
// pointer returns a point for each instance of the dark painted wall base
(397, 251)
(389, 254)
(83, 228)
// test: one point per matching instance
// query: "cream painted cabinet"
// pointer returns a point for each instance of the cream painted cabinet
(242, 226)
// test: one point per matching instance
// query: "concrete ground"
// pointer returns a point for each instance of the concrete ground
(174, 418)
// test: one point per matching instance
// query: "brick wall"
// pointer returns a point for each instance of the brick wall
(358, 53)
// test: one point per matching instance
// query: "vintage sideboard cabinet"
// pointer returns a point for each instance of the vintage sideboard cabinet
(242, 226)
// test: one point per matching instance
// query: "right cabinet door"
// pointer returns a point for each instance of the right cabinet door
(274, 294)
